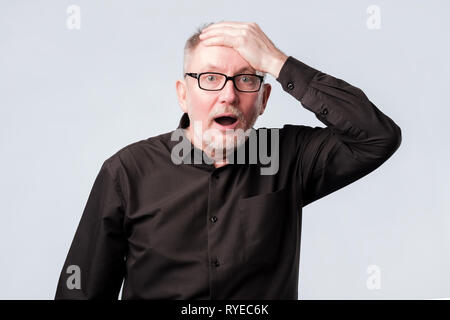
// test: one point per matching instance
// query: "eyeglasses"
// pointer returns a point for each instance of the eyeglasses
(214, 81)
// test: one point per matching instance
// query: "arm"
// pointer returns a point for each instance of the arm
(358, 137)
(357, 140)
(99, 245)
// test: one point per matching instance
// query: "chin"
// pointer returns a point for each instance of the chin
(228, 142)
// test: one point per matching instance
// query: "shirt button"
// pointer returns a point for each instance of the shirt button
(290, 85)
(213, 219)
(216, 263)
(324, 111)
(216, 176)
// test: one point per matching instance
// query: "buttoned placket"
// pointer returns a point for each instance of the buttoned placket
(215, 202)
(214, 205)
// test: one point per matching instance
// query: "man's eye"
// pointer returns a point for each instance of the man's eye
(246, 79)
(211, 78)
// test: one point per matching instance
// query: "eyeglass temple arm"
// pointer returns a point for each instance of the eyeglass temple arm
(193, 75)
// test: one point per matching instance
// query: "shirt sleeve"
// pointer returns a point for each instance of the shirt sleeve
(357, 138)
(95, 265)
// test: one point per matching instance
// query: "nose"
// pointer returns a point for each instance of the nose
(229, 93)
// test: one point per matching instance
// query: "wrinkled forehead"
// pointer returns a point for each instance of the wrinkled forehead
(218, 59)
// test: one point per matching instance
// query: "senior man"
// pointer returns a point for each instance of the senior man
(218, 228)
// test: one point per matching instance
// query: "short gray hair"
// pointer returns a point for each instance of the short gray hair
(193, 42)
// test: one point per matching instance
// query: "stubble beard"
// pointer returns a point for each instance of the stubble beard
(218, 144)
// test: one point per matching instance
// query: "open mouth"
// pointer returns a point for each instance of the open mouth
(225, 120)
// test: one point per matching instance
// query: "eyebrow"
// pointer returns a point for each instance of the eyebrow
(249, 69)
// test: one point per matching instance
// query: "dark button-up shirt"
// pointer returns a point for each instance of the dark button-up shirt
(193, 231)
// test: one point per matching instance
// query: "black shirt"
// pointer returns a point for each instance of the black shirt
(193, 231)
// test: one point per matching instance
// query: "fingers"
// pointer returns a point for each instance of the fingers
(221, 31)
(223, 35)
(231, 24)
(248, 40)
(220, 41)
(230, 28)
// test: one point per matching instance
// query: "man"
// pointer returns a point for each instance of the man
(218, 228)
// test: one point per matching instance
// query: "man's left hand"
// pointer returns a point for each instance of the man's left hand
(249, 41)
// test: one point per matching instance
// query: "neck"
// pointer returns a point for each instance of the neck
(198, 143)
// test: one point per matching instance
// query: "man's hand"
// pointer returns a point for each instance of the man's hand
(249, 41)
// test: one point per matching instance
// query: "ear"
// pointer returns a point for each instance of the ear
(181, 93)
(265, 96)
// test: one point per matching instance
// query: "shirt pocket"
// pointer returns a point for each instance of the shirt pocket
(264, 221)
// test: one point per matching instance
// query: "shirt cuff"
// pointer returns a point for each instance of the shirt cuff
(295, 77)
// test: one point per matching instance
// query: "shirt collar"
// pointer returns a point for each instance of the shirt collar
(184, 121)
(183, 124)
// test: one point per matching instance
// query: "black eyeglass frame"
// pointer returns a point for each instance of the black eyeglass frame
(198, 75)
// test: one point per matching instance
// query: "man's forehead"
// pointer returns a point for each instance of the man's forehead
(226, 66)
(221, 59)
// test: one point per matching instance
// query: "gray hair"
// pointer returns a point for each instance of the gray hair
(193, 42)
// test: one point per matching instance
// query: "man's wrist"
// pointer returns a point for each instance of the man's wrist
(277, 63)
(295, 77)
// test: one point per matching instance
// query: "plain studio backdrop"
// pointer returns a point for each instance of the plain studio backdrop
(70, 98)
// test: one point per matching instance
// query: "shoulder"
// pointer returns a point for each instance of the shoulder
(293, 139)
(138, 152)
(290, 133)
(302, 133)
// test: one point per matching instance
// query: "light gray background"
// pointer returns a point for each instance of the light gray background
(71, 98)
